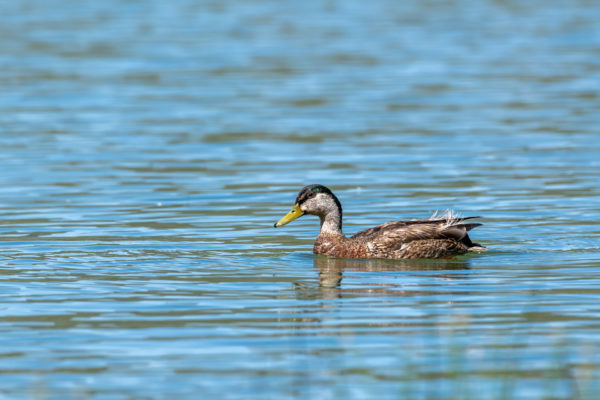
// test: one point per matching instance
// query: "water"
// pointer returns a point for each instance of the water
(148, 147)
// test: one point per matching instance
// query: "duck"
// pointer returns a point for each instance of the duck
(439, 236)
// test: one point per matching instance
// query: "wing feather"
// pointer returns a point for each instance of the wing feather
(395, 234)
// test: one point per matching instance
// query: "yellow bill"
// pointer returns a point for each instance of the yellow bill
(294, 213)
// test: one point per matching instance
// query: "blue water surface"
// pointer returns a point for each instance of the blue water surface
(148, 147)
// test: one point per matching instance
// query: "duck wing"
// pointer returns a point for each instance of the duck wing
(392, 235)
(421, 224)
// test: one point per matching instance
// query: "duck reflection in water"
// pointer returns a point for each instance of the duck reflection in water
(331, 269)
(331, 273)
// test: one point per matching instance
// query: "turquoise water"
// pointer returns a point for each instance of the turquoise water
(147, 148)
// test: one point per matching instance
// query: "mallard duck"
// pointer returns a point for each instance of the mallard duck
(434, 237)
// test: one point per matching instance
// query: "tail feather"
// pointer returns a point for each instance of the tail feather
(458, 231)
(477, 247)
(455, 229)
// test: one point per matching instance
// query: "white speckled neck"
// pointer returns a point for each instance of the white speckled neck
(331, 223)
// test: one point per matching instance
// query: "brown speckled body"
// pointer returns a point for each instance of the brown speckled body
(396, 240)
(426, 238)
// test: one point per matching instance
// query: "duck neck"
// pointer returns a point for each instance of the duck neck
(331, 223)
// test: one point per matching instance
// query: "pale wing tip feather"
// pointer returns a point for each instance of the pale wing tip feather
(471, 226)
(452, 217)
